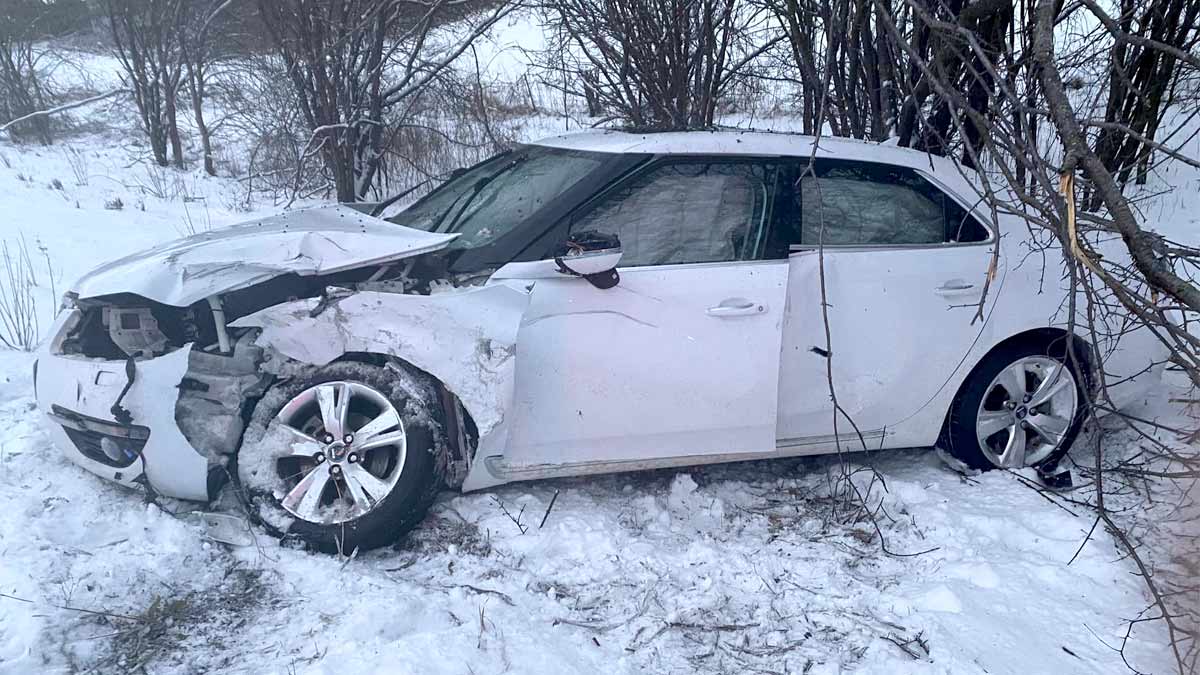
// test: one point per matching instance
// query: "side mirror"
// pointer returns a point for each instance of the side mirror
(591, 255)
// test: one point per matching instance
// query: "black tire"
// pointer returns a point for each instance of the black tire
(414, 397)
(958, 434)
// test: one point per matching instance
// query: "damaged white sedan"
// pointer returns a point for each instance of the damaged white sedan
(591, 303)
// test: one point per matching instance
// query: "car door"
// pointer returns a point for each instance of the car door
(905, 266)
(680, 359)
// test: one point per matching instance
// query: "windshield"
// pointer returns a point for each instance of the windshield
(492, 198)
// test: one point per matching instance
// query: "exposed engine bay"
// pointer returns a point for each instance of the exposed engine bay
(129, 326)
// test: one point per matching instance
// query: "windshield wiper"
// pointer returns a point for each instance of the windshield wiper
(456, 173)
(475, 190)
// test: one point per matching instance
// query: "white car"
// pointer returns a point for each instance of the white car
(591, 303)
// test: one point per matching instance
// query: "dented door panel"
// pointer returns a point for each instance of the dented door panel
(674, 361)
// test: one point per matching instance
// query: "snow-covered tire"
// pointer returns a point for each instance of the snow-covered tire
(990, 427)
(290, 440)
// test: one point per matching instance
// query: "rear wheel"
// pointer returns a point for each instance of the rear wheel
(1022, 406)
(343, 458)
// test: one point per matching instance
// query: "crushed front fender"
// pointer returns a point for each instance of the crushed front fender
(466, 339)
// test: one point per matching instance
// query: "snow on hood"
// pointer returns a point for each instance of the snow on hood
(306, 242)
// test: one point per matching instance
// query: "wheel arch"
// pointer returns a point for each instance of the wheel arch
(1054, 339)
(466, 339)
(460, 430)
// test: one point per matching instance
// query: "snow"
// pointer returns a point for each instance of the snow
(715, 570)
(724, 569)
(738, 568)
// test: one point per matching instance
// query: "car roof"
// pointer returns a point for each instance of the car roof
(747, 142)
(951, 175)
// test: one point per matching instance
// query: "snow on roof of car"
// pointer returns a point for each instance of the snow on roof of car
(744, 142)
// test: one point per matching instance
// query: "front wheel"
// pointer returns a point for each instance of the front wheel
(342, 458)
(1022, 406)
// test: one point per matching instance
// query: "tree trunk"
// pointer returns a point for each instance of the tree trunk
(172, 124)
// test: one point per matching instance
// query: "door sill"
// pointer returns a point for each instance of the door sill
(791, 447)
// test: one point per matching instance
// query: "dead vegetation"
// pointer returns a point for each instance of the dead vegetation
(175, 622)
(18, 301)
(442, 531)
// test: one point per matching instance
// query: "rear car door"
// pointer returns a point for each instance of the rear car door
(905, 266)
(681, 358)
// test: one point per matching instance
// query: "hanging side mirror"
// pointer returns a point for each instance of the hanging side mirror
(591, 255)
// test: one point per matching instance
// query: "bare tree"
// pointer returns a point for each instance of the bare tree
(658, 65)
(146, 41)
(353, 62)
(195, 28)
(845, 66)
(862, 80)
(23, 89)
(1143, 72)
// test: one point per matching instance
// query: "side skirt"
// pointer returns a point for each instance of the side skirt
(792, 447)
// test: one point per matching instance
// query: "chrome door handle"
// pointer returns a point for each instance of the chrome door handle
(735, 307)
(954, 287)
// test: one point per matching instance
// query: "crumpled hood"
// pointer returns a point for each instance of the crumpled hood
(306, 242)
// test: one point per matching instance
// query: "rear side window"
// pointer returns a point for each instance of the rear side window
(844, 203)
(687, 212)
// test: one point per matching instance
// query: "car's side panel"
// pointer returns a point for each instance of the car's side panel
(1030, 294)
(676, 360)
(1131, 356)
(897, 335)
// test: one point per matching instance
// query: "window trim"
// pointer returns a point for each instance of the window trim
(768, 221)
(991, 228)
(724, 263)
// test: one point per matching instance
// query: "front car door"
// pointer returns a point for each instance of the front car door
(679, 361)
(905, 265)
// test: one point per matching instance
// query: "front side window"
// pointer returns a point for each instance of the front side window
(687, 212)
(492, 198)
(846, 203)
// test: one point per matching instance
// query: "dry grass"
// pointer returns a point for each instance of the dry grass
(18, 304)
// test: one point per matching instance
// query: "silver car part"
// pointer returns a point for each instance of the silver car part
(1026, 412)
(135, 331)
(346, 455)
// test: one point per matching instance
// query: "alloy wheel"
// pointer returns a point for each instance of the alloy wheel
(346, 453)
(1026, 412)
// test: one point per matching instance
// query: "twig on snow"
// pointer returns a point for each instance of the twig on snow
(548, 508)
(515, 519)
(111, 615)
(911, 645)
(504, 597)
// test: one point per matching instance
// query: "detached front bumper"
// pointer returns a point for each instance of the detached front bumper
(76, 395)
